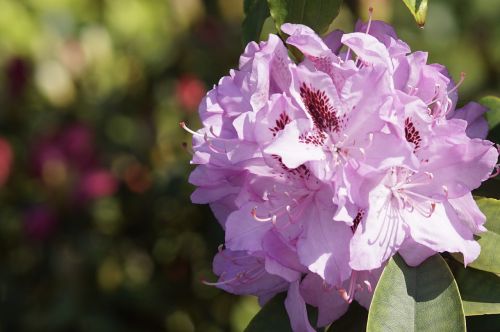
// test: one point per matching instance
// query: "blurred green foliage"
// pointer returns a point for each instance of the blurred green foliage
(97, 232)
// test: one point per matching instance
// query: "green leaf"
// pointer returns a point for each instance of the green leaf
(272, 317)
(419, 10)
(479, 290)
(317, 14)
(489, 258)
(423, 298)
(485, 323)
(493, 117)
(493, 104)
(256, 12)
(354, 320)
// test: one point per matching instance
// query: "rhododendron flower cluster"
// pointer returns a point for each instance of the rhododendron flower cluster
(320, 171)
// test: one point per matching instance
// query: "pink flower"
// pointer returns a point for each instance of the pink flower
(98, 183)
(189, 92)
(477, 126)
(6, 157)
(321, 171)
(39, 223)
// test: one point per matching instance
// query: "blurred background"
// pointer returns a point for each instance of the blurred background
(97, 232)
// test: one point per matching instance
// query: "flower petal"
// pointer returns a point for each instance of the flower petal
(458, 164)
(324, 245)
(243, 232)
(380, 233)
(414, 253)
(468, 212)
(292, 150)
(330, 304)
(443, 231)
(296, 308)
(368, 48)
(477, 126)
(244, 274)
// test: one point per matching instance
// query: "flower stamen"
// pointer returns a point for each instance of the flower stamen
(370, 14)
(462, 78)
(186, 128)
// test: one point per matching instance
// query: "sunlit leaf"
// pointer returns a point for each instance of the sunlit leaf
(493, 115)
(419, 10)
(479, 290)
(423, 298)
(489, 259)
(317, 14)
(256, 12)
(272, 317)
(354, 320)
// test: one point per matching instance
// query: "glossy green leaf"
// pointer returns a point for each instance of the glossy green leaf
(256, 12)
(272, 317)
(479, 290)
(419, 10)
(317, 14)
(489, 259)
(423, 298)
(493, 115)
(354, 320)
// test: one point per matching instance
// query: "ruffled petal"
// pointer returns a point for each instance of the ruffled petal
(468, 213)
(386, 35)
(306, 40)
(443, 231)
(459, 164)
(368, 48)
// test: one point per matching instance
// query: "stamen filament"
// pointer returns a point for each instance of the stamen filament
(186, 128)
(462, 78)
(370, 14)
(260, 219)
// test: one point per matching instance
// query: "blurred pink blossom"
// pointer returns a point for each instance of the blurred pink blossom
(189, 92)
(39, 223)
(5, 160)
(98, 183)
